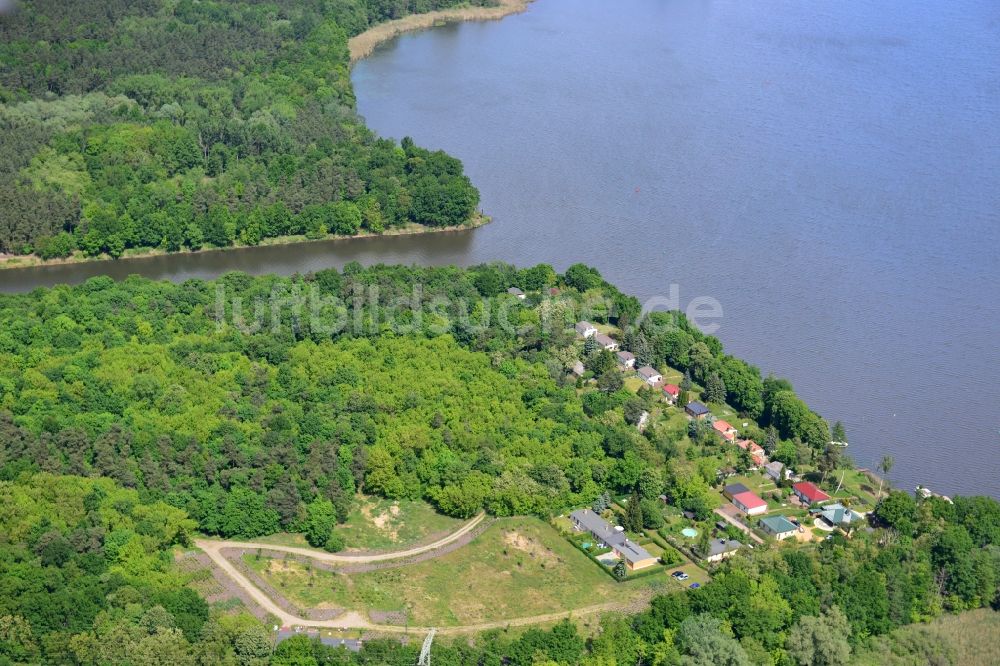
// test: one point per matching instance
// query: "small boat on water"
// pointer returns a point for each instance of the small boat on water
(923, 492)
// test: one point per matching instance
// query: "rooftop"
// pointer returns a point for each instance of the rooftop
(648, 372)
(749, 499)
(697, 408)
(720, 546)
(810, 491)
(735, 489)
(778, 524)
(602, 530)
(672, 389)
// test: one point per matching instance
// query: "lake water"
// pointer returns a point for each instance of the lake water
(828, 171)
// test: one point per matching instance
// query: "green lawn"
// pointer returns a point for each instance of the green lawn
(518, 567)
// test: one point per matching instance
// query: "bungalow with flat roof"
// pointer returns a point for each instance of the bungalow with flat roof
(606, 342)
(625, 359)
(727, 431)
(808, 493)
(635, 556)
(585, 329)
(778, 526)
(720, 549)
(749, 503)
(514, 291)
(696, 410)
(650, 375)
(671, 392)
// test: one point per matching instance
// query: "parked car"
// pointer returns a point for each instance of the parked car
(694, 586)
(680, 575)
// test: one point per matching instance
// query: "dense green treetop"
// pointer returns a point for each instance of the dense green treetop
(174, 125)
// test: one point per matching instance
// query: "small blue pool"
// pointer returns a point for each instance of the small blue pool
(689, 532)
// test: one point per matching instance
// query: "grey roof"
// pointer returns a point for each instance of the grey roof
(582, 326)
(625, 356)
(720, 546)
(604, 340)
(514, 291)
(697, 408)
(735, 489)
(578, 368)
(602, 530)
(648, 372)
(778, 524)
(775, 466)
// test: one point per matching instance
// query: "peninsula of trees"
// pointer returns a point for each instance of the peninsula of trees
(156, 125)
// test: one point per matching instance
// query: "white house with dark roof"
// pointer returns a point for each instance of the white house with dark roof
(650, 375)
(635, 556)
(720, 549)
(606, 342)
(625, 359)
(585, 329)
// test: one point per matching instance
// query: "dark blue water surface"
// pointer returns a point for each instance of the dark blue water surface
(829, 171)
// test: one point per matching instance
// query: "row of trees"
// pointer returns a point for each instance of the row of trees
(180, 125)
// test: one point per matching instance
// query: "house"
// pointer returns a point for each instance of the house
(514, 291)
(635, 556)
(671, 392)
(724, 473)
(755, 451)
(749, 503)
(585, 329)
(625, 359)
(650, 375)
(727, 431)
(778, 526)
(643, 421)
(720, 549)
(578, 369)
(606, 342)
(696, 410)
(775, 471)
(838, 515)
(734, 489)
(809, 493)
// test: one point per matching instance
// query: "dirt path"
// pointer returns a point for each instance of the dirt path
(732, 521)
(362, 45)
(215, 545)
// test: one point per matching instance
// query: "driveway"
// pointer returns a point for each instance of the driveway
(732, 521)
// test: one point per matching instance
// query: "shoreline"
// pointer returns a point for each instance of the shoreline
(362, 45)
(15, 262)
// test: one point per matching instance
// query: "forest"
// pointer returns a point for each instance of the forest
(181, 125)
(136, 413)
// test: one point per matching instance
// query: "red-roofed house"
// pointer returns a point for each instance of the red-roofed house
(671, 392)
(726, 430)
(749, 503)
(754, 449)
(809, 493)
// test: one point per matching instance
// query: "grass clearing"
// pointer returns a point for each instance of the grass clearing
(381, 524)
(376, 524)
(969, 639)
(518, 567)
